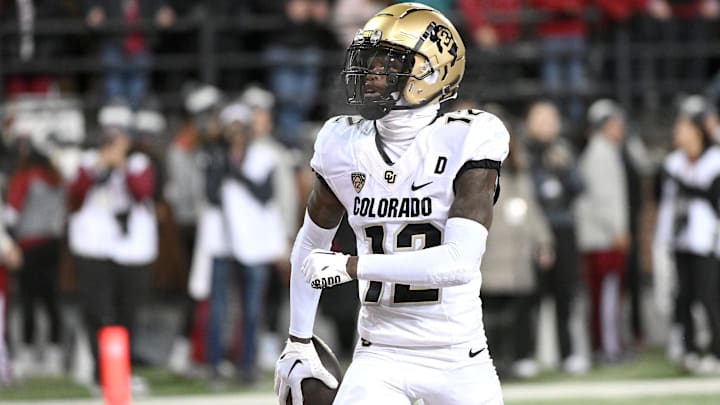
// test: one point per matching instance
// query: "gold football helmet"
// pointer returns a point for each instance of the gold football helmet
(406, 56)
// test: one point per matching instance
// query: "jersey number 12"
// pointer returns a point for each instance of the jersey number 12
(403, 293)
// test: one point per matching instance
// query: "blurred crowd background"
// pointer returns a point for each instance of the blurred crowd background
(154, 171)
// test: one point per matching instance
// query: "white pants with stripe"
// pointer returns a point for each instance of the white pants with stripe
(386, 375)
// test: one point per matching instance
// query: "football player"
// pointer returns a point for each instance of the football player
(418, 188)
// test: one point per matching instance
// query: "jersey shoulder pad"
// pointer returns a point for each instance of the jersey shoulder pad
(332, 140)
(485, 135)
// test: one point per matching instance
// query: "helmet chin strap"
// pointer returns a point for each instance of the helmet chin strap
(373, 111)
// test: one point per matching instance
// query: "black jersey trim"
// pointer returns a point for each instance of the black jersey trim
(482, 164)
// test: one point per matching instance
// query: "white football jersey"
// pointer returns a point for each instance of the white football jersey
(403, 206)
(689, 224)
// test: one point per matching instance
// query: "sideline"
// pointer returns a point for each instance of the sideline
(513, 392)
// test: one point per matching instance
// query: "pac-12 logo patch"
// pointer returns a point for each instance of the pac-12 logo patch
(358, 180)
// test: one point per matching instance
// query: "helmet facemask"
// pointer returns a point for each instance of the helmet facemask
(375, 76)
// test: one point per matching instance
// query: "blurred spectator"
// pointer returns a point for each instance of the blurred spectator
(637, 166)
(623, 22)
(245, 179)
(35, 212)
(212, 254)
(493, 28)
(687, 222)
(113, 229)
(690, 24)
(10, 259)
(126, 58)
(712, 92)
(603, 226)
(706, 111)
(25, 46)
(185, 192)
(296, 54)
(492, 23)
(261, 103)
(521, 238)
(349, 16)
(562, 31)
(558, 183)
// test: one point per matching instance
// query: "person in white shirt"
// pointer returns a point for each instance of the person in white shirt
(603, 225)
(688, 224)
(418, 188)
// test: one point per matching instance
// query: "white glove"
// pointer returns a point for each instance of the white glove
(323, 268)
(297, 362)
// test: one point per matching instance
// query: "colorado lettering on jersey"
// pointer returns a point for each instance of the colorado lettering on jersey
(406, 207)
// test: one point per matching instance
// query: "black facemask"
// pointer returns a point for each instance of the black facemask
(374, 77)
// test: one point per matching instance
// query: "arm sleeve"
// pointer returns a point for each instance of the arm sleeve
(303, 298)
(87, 175)
(456, 261)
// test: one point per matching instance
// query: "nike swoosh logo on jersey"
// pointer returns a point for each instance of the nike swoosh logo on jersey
(413, 187)
(473, 354)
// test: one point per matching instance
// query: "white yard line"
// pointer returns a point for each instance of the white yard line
(512, 392)
(614, 389)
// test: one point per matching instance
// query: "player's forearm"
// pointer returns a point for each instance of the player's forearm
(455, 262)
(303, 298)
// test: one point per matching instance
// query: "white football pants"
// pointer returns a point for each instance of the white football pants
(448, 375)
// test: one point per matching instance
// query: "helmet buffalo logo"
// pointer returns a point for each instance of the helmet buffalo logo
(358, 180)
(443, 37)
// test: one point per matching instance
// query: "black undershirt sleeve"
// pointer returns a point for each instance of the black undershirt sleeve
(482, 164)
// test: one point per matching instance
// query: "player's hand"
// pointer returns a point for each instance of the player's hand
(297, 362)
(323, 268)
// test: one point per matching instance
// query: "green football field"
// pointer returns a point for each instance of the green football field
(649, 380)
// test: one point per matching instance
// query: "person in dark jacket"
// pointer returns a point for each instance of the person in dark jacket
(558, 183)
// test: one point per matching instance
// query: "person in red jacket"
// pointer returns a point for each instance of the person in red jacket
(35, 212)
(492, 23)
